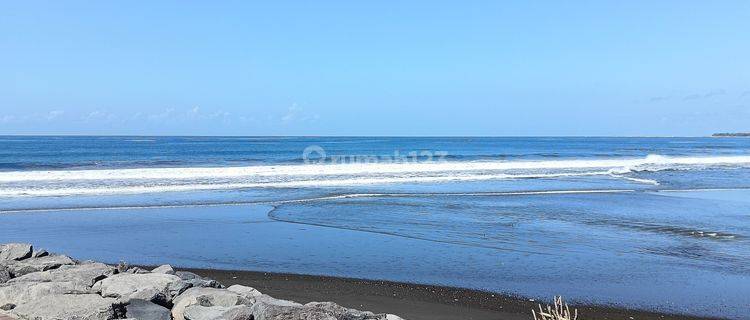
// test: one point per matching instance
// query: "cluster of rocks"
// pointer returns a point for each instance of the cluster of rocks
(35, 284)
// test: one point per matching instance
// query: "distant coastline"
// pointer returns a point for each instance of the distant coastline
(731, 134)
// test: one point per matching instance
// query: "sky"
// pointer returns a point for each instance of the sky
(484, 68)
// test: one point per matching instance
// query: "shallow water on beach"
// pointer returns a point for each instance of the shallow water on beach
(638, 255)
(653, 223)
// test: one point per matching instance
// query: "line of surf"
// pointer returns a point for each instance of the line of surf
(66, 190)
(189, 173)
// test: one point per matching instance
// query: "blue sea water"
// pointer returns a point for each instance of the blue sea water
(652, 223)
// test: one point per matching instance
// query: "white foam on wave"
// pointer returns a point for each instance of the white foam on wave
(652, 162)
(133, 189)
(152, 180)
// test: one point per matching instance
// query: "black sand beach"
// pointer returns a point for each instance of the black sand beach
(410, 301)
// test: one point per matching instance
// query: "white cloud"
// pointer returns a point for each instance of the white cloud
(167, 113)
(706, 95)
(246, 119)
(219, 114)
(296, 114)
(291, 114)
(99, 115)
(54, 114)
(193, 113)
(7, 118)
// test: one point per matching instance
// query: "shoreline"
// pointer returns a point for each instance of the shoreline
(37, 284)
(408, 300)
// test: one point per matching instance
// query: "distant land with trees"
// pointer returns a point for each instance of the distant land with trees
(731, 134)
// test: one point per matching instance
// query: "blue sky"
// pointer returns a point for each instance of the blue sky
(375, 67)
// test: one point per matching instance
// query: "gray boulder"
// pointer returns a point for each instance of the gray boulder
(15, 251)
(187, 275)
(266, 299)
(70, 306)
(156, 287)
(146, 310)
(207, 297)
(247, 292)
(166, 269)
(137, 270)
(86, 274)
(265, 311)
(197, 281)
(39, 253)
(4, 274)
(26, 266)
(344, 313)
(197, 312)
(270, 310)
(17, 293)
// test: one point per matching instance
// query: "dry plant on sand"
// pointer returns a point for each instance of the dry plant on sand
(559, 311)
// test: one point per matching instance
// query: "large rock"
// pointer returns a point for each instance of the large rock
(247, 292)
(137, 270)
(342, 312)
(271, 310)
(266, 299)
(86, 274)
(70, 306)
(146, 310)
(26, 266)
(17, 293)
(207, 297)
(39, 253)
(196, 312)
(15, 251)
(165, 268)
(197, 281)
(4, 274)
(156, 287)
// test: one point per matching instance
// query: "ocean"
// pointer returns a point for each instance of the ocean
(653, 223)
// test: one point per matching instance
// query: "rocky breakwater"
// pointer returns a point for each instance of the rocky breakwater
(36, 284)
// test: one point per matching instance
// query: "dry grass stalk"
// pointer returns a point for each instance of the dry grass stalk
(560, 311)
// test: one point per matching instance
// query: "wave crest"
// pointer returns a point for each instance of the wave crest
(149, 180)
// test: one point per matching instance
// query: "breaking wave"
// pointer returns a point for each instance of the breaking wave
(152, 180)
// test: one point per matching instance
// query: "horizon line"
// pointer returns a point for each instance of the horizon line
(713, 135)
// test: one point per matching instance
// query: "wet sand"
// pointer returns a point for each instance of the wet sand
(411, 301)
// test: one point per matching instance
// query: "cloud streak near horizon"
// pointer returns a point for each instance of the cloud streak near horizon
(166, 116)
